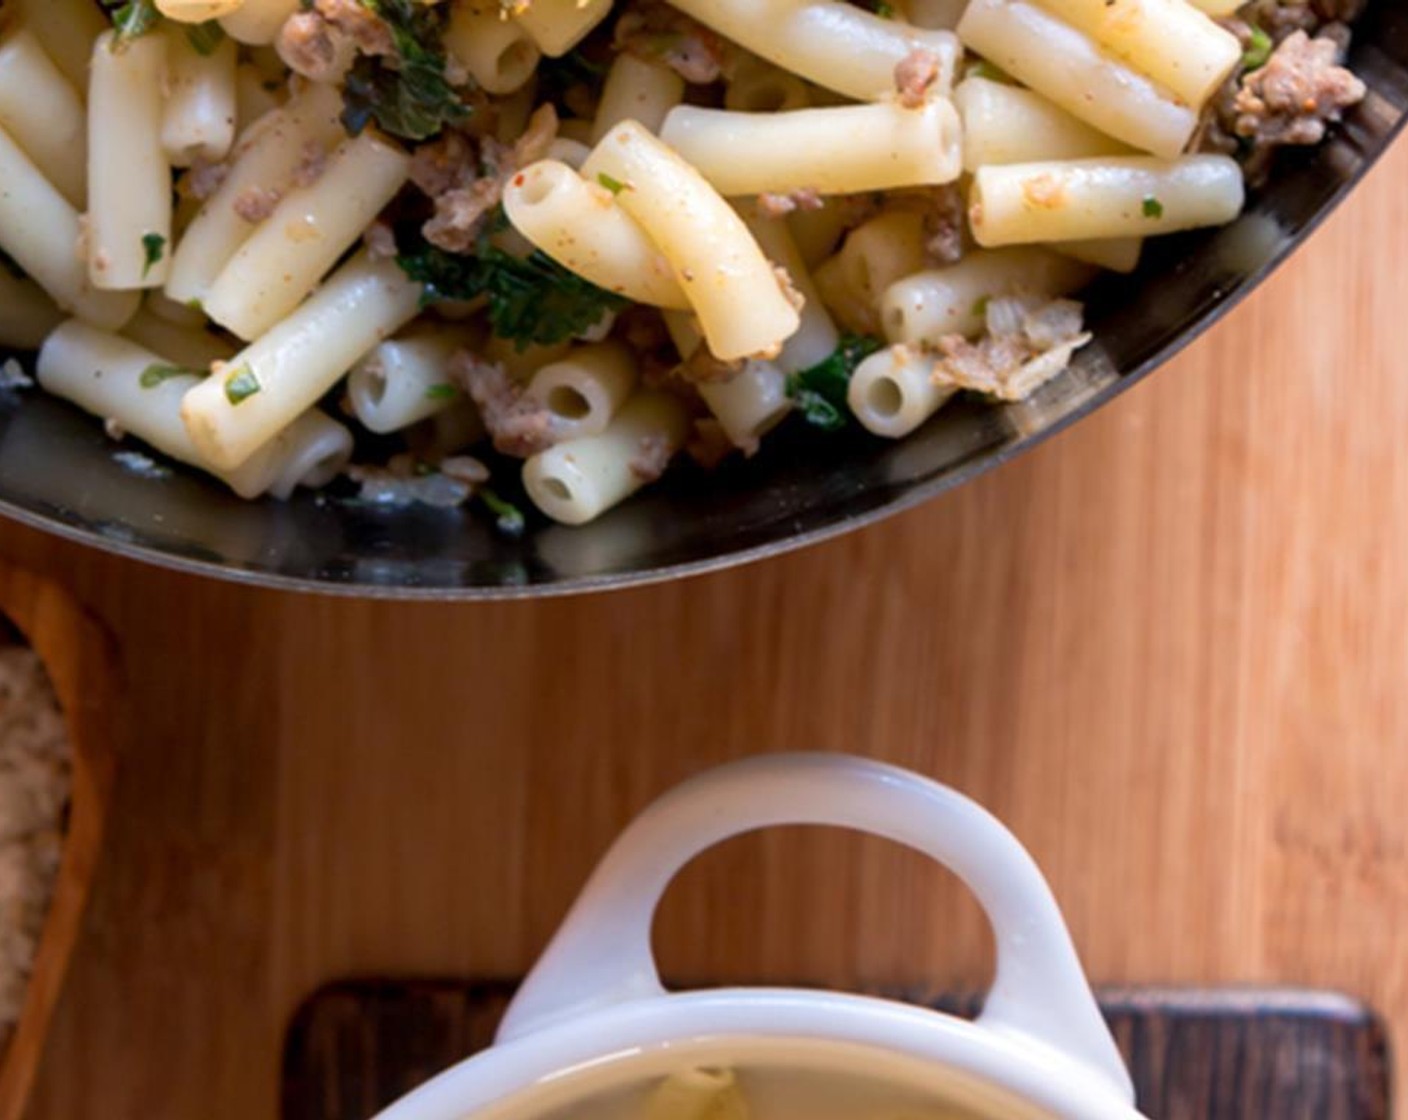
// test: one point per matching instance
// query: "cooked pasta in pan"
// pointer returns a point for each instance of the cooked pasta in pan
(547, 247)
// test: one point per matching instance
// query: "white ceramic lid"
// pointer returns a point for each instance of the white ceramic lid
(593, 1013)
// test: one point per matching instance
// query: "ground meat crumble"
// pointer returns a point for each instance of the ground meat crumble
(915, 75)
(1027, 343)
(658, 33)
(518, 424)
(1296, 95)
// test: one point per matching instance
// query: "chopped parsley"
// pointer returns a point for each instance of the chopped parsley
(509, 518)
(158, 374)
(532, 300)
(1258, 52)
(241, 385)
(614, 185)
(205, 38)
(153, 249)
(132, 18)
(409, 96)
(442, 392)
(884, 10)
(820, 391)
(980, 306)
(1152, 207)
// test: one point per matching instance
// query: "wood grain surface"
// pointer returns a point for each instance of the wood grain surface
(1220, 1054)
(1170, 648)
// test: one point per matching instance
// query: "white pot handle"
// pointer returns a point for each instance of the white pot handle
(602, 954)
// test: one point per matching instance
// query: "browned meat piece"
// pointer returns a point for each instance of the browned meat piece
(651, 458)
(1296, 95)
(309, 45)
(915, 75)
(1023, 348)
(254, 204)
(380, 240)
(774, 205)
(709, 444)
(466, 186)
(205, 178)
(311, 167)
(659, 33)
(359, 23)
(518, 425)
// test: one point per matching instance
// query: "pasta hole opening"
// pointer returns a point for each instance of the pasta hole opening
(537, 189)
(517, 59)
(374, 386)
(568, 403)
(884, 398)
(769, 97)
(556, 489)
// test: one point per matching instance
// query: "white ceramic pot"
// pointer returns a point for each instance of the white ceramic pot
(593, 1016)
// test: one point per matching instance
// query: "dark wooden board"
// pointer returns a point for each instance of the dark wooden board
(1231, 1054)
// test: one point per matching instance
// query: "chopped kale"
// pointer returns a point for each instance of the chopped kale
(159, 374)
(532, 300)
(1152, 207)
(509, 518)
(132, 18)
(241, 385)
(1258, 51)
(441, 392)
(153, 249)
(205, 38)
(409, 96)
(820, 391)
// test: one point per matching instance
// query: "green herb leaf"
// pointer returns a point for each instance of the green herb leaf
(154, 248)
(205, 37)
(1258, 51)
(1152, 207)
(441, 393)
(532, 300)
(820, 391)
(980, 306)
(409, 96)
(884, 10)
(158, 374)
(615, 186)
(982, 68)
(241, 385)
(510, 519)
(132, 18)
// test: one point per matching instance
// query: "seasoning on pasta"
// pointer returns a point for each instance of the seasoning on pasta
(534, 251)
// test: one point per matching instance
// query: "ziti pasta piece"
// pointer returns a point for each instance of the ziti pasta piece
(559, 25)
(141, 392)
(757, 86)
(1070, 69)
(577, 481)
(266, 160)
(406, 380)
(246, 403)
(498, 53)
(1006, 124)
(1122, 196)
(732, 287)
(579, 225)
(587, 388)
(258, 22)
(199, 122)
(190, 347)
(67, 30)
(197, 11)
(636, 90)
(44, 114)
(40, 229)
(1117, 254)
(874, 255)
(885, 145)
(922, 308)
(307, 232)
(750, 405)
(1170, 41)
(837, 45)
(129, 182)
(892, 392)
(816, 337)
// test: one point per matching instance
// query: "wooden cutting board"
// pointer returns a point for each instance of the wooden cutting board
(1195, 1055)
